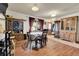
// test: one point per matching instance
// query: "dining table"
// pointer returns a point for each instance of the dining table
(36, 33)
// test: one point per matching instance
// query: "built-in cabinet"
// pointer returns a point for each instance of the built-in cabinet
(77, 33)
(70, 29)
(16, 27)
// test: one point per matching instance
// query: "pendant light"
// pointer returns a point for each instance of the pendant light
(35, 8)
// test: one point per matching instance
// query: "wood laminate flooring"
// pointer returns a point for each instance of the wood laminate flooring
(53, 48)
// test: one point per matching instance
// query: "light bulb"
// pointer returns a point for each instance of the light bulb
(53, 15)
(35, 8)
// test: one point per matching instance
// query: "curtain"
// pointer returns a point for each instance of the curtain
(31, 19)
(41, 23)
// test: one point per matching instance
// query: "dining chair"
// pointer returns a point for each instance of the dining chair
(31, 39)
(44, 38)
(28, 38)
(39, 41)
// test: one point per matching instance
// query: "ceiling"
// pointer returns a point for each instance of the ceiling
(45, 9)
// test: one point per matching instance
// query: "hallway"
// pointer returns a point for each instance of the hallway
(53, 48)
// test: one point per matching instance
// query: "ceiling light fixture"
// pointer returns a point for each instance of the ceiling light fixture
(35, 8)
(53, 15)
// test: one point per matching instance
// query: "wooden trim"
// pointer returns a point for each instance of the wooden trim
(76, 30)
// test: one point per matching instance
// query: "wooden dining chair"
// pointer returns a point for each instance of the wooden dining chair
(39, 41)
(31, 39)
(26, 44)
(44, 38)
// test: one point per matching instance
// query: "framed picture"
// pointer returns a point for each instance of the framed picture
(16, 26)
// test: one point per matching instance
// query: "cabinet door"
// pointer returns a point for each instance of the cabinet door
(61, 34)
(77, 40)
(72, 37)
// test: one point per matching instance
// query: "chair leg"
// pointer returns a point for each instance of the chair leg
(30, 45)
(36, 42)
(45, 42)
(27, 44)
(41, 44)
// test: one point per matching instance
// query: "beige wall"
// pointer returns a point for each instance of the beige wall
(2, 23)
(20, 16)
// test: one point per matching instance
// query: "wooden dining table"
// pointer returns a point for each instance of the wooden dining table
(37, 33)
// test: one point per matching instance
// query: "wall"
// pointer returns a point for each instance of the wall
(20, 16)
(26, 25)
(69, 15)
(2, 23)
(1, 16)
